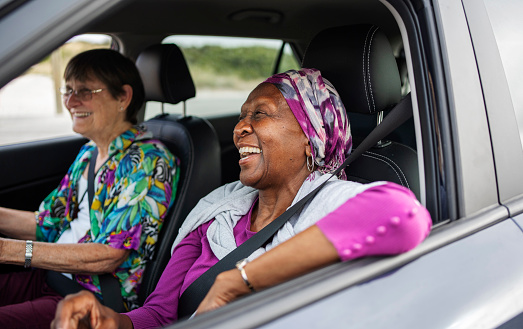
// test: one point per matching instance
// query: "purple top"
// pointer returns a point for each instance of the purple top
(383, 220)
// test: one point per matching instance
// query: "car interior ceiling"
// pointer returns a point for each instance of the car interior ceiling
(276, 19)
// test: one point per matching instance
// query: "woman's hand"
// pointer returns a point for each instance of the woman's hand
(227, 287)
(83, 310)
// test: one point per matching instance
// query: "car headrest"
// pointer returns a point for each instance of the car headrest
(358, 60)
(165, 74)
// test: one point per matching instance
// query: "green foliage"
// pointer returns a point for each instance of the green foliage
(216, 66)
(288, 62)
(245, 62)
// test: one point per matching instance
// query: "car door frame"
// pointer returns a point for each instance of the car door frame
(506, 141)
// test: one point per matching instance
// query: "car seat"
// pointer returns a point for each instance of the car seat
(193, 140)
(358, 60)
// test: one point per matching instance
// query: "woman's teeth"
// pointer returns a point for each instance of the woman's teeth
(246, 151)
(81, 114)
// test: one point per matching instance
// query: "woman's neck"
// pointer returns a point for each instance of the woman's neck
(272, 203)
(103, 142)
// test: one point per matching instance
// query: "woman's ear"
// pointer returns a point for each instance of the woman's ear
(126, 96)
(308, 151)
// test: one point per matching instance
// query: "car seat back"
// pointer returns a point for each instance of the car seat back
(358, 60)
(193, 140)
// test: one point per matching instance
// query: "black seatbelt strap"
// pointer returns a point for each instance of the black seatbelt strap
(111, 292)
(195, 293)
(62, 284)
(109, 285)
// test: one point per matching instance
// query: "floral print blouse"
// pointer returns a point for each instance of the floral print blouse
(133, 191)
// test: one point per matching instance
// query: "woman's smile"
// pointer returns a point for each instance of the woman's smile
(79, 114)
(248, 154)
(246, 151)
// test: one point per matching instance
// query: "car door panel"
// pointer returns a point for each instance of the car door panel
(473, 282)
(519, 221)
(452, 281)
(29, 171)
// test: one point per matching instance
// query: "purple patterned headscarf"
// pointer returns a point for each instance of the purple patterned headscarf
(321, 114)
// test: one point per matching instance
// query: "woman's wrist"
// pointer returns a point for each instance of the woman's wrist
(124, 322)
(233, 283)
(241, 267)
(28, 253)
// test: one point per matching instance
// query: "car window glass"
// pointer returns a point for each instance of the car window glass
(505, 17)
(224, 71)
(288, 61)
(31, 107)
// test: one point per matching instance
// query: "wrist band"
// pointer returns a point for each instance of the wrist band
(240, 266)
(28, 253)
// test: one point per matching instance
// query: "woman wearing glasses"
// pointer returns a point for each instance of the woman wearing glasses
(81, 234)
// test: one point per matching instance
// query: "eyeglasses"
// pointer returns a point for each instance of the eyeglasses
(83, 94)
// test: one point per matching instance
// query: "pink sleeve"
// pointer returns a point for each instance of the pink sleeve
(383, 220)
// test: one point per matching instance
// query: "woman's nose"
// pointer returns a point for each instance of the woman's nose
(242, 128)
(71, 100)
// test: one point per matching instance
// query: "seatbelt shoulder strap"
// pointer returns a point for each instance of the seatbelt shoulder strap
(109, 285)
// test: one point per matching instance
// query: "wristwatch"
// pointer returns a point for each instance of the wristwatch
(240, 266)
(28, 253)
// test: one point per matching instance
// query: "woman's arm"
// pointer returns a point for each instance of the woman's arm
(84, 305)
(84, 258)
(285, 262)
(383, 220)
(18, 224)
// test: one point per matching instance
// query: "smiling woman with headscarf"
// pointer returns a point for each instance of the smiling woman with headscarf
(292, 133)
